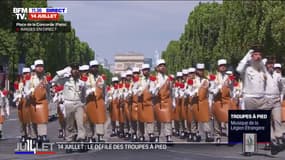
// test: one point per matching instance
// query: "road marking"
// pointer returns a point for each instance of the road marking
(12, 119)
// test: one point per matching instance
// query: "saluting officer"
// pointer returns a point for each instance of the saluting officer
(254, 73)
(73, 95)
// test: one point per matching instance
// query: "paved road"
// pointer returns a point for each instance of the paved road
(175, 152)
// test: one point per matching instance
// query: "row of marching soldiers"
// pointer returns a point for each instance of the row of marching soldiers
(141, 104)
(190, 105)
(78, 92)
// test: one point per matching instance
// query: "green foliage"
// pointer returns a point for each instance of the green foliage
(226, 30)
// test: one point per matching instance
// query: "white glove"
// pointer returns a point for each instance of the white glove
(247, 57)
(66, 75)
(66, 70)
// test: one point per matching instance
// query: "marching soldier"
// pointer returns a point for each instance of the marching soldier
(73, 95)
(112, 95)
(184, 102)
(21, 103)
(178, 102)
(161, 89)
(95, 105)
(135, 103)
(129, 99)
(145, 108)
(124, 114)
(36, 90)
(89, 127)
(273, 92)
(200, 103)
(278, 68)
(254, 73)
(221, 89)
(190, 92)
(4, 108)
(58, 99)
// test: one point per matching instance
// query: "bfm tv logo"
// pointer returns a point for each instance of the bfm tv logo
(27, 148)
(51, 14)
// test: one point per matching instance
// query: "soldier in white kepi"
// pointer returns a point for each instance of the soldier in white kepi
(161, 89)
(73, 95)
(221, 89)
(145, 109)
(36, 91)
(278, 68)
(113, 105)
(200, 103)
(273, 91)
(21, 103)
(95, 105)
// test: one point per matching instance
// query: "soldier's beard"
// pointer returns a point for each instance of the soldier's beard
(257, 65)
(40, 74)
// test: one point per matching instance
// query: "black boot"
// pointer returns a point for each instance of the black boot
(267, 147)
(60, 133)
(127, 136)
(0, 134)
(134, 137)
(39, 141)
(113, 134)
(141, 139)
(34, 142)
(23, 140)
(100, 138)
(196, 137)
(175, 132)
(121, 134)
(74, 137)
(151, 138)
(182, 135)
(190, 137)
(45, 139)
(168, 139)
(218, 140)
(209, 138)
(90, 139)
(156, 139)
(278, 147)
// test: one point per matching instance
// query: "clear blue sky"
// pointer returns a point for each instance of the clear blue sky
(111, 27)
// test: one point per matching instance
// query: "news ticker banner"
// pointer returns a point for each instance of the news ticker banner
(243, 122)
(53, 148)
(40, 20)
